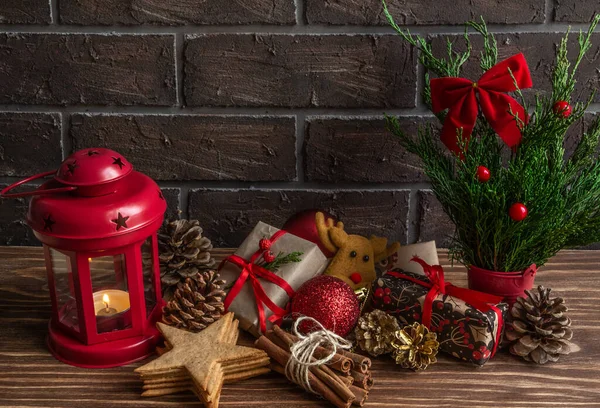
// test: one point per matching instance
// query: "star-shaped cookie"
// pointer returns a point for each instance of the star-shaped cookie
(202, 361)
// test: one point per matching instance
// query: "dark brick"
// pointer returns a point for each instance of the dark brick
(177, 12)
(434, 224)
(195, 147)
(173, 198)
(227, 216)
(539, 50)
(299, 71)
(87, 69)
(359, 150)
(29, 143)
(13, 229)
(575, 11)
(25, 12)
(418, 12)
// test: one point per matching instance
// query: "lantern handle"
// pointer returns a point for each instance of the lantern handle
(3, 193)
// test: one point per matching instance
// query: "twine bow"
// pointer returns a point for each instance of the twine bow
(302, 352)
(253, 272)
(437, 285)
(459, 95)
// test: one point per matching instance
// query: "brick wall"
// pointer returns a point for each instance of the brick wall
(247, 110)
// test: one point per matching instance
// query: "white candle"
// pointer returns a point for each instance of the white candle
(110, 302)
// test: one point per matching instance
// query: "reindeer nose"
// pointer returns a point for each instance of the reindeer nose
(356, 278)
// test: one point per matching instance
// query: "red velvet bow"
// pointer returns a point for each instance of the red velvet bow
(483, 302)
(253, 272)
(459, 96)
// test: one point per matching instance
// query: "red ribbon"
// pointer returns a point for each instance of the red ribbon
(459, 96)
(253, 272)
(483, 302)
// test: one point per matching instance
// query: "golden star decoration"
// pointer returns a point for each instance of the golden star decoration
(202, 362)
(415, 347)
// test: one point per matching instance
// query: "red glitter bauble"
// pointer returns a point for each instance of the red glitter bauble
(264, 244)
(518, 212)
(303, 225)
(269, 256)
(483, 174)
(328, 300)
(562, 108)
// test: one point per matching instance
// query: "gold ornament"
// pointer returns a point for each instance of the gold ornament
(375, 332)
(415, 347)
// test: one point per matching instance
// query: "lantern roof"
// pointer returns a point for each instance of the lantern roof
(110, 200)
(89, 167)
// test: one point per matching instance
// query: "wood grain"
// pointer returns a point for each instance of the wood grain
(31, 377)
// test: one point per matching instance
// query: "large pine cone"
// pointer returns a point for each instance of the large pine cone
(183, 252)
(540, 331)
(197, 302)
(375, 332)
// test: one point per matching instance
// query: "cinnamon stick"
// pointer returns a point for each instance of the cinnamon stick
(281, 357)
(362, 380)
(339, 362)
(324, 373)
(361, 363)
(360, 394)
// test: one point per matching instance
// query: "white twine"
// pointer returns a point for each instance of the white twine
(302, 352)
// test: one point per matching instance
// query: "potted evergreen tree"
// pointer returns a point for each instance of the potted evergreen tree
(502, 177)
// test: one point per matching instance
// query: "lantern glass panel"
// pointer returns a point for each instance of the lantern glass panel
(148, 270)
(62, 269)
(111, 298)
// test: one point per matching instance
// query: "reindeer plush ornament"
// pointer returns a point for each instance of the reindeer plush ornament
(355, 256)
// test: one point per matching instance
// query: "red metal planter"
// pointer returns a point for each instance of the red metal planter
(98, 220)
(509, 285)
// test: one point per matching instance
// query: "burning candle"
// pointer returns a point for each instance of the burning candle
(110, 302)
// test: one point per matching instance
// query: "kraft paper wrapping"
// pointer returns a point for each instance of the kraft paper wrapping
(427, 251)
(295, 274)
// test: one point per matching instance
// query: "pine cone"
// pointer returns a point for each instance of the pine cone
(183, 252)
(197, 302)
(415, 347)
(375, 332)
(540, 331)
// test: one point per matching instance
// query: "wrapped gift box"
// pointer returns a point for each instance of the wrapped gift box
(401, 259)
(244, 304)
(465, 331)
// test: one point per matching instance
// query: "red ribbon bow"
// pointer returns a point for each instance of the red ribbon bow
(483, 302)
(459, 96)
(253, 272)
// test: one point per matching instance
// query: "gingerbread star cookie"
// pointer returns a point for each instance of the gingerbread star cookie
(202, 362)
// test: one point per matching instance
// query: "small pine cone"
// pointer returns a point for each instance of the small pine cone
(415, 347)
(197, 302)
(375, 332)
(183, 252)
(540, 332)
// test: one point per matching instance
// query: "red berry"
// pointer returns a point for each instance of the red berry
(387, 300)
(387, 291)
(471, 347)
(269, 256)
(465, 341)
(482, 348)
(461, 330)
(477, 355)
(483, 174)
(439, 305)
(562, 108)
(467, 336)
(378, 292)
(446, 321)
(406, 308)
(416, 316)
(264, 244)
(455, 321)
(487, 354)
(518, 212)
(467, 319)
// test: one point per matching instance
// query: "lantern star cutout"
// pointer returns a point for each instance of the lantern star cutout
(202, 361)
(120, 221)
(118, 162)
(48, 223)
(72, 166)
(92, 153)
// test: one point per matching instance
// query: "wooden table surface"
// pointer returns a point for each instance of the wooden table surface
(31, 377)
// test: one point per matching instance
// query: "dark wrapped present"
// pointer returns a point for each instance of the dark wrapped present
(469, 324)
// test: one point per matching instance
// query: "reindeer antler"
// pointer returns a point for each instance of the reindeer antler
(325, 226)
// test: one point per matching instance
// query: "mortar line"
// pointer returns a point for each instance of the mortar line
(261, 29)
(179, 72)
(54, 16)
(300, 140)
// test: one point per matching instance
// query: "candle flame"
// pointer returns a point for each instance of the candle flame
(105, 300)
(89, 259)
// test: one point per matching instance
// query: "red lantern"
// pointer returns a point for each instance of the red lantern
(97, 219)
